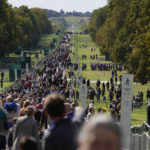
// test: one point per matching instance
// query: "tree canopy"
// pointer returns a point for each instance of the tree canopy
(21, 27)
(121, 30)
(53, 14)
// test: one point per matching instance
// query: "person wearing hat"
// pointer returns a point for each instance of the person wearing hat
(25, 126)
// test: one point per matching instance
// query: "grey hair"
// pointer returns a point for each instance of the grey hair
(98, 121)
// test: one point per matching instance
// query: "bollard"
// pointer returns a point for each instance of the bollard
(84, 96)
(143, 142)
(132, 141)
(16, 76)
(27, 68)
(35, 64)
(137, 142)
(80, 90)
(148, 114)
(147, 141)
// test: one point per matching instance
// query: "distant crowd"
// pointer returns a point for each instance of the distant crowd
(43, 112)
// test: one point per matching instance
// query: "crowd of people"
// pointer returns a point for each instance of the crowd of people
(97, 66)
(107, 67)
(35, 116)
(41, 113)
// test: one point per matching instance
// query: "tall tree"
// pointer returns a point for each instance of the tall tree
(124, 35)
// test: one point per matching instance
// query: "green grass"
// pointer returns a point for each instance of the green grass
(138, 115)
(13, 55)
(46, 39)
(70, 21)
(89, 74)
(75, 20)
(6, 76)
(5, 85)
(95, 75)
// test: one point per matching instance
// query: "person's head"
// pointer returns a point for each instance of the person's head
(100, 133)
(29, 111)
(54, 106)
(113, 101)
(37, 107)
(91, 109)
(28, 143)
(68, 108)
(26, 103)
(9, 98)
(73, 106)
(91, 101)
(99, 110)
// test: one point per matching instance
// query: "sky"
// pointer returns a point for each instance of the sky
(66, 5)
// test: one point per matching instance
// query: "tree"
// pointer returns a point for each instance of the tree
(97, 20)
(124, 35)
(21, 26)
(9, 30)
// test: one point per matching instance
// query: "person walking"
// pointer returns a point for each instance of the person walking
(60, 135)
(26, 126)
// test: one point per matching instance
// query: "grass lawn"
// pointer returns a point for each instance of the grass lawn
(6, 76)
(76, 21)
(89, 74)
(46, 39)
(138, 115)
(6, 84)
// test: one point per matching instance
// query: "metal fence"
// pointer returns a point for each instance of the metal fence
(140, 142)
(140, 137)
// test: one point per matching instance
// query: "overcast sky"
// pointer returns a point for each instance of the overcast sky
(66, 5)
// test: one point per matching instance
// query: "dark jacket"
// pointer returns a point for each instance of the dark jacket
(61, 137)
(2, 123)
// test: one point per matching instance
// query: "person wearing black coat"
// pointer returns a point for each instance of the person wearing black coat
(98, 83)
(148, 114)
(60, 136)
(61, 133)
(88, 83)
